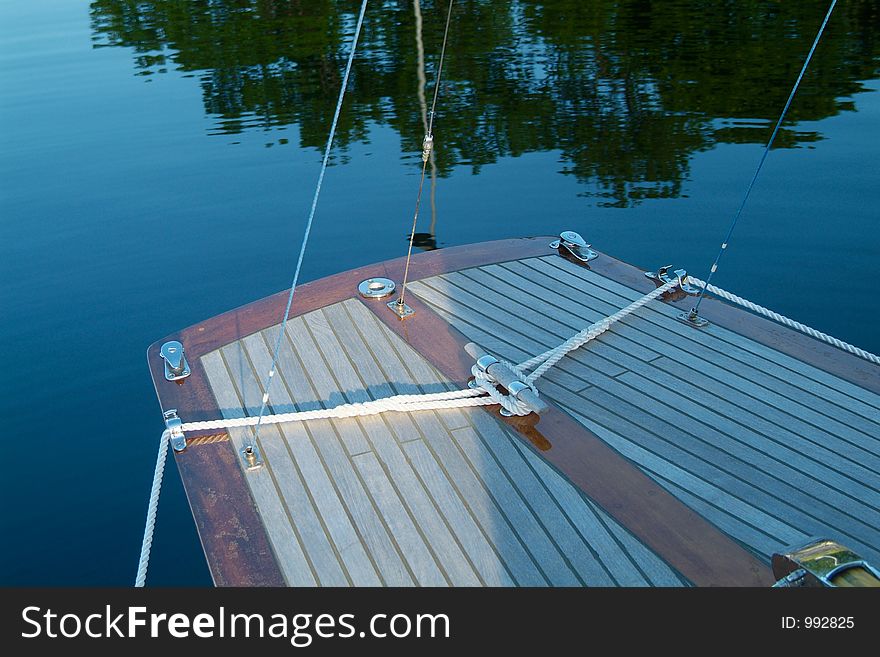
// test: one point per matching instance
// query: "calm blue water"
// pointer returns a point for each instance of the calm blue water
(156, 169)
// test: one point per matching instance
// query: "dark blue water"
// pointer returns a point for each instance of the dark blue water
(157, 161)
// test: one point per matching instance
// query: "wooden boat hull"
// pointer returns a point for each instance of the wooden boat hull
(233, 526)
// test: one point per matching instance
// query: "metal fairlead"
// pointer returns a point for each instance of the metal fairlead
(251, 457)
(680, 276)
(575, 245)
(176, 367)
(173, 424)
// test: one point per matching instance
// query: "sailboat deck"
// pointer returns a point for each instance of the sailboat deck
(757, 433)
(766, 447)
(432, 498)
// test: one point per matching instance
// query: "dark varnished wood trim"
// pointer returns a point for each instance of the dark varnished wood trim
(793, 343)
(233, 537)
(683, 538)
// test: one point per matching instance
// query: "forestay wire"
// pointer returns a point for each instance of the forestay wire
(305, 240)
(766, 152)
(427, 152)
(146, 545)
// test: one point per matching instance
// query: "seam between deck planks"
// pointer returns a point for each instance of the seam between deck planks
(423, 510)
(295, 439)
(539, 339)
(611, 296)
(237, 386)
(548, 515)
(481, 479)
(739, 363)
(459, 316)
(763, 351)
(368, 524)
(705, 467)
(474, 547)
(768, 360)
(402, 528)
(332, 533)
(552, 479)
(736, 417)
(732, 360)
(746, 482)
(305, 449)
(285, 540)
(770, 398)
(601, 541)
(780, 462)
(370, 323)
(538, 516)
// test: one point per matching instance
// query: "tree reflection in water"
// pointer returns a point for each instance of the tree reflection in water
(626, 90)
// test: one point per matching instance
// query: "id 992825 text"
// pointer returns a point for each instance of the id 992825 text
(818, 622)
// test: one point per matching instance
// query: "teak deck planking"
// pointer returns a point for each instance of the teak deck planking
(730, 425)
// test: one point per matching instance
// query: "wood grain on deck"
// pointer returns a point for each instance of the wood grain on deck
(431, 498)
(768, 448)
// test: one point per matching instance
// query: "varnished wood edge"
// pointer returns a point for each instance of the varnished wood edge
(195, 401)
(233, 536)
(213, 333)
(800, 346)
(690, 544)
(231, 532)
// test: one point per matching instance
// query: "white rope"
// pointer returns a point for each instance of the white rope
(782, 319)
(147, 543)
(549, 358)
(486, 393)
(311, 218)
(401, 403)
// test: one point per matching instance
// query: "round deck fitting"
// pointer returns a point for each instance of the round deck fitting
(376, 288)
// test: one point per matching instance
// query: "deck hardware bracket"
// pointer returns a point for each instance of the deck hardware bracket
(250, 454)
(376, 288)
(662, 276)
(173, 424)
(400, 309)
(513, 390)
(485, 362)
(823, 562)
(692, 318)
(176, 367)
(572, 243)
(498, 372)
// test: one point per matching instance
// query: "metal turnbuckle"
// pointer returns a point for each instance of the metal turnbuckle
(572, 243)
(427, 147)
(173, 424)
(176, 367)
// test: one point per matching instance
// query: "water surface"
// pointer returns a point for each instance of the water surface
(157, 162)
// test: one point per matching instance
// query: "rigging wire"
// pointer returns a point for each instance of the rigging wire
(427, 152)
(693, 313)
(308, 229)
(423, 105)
